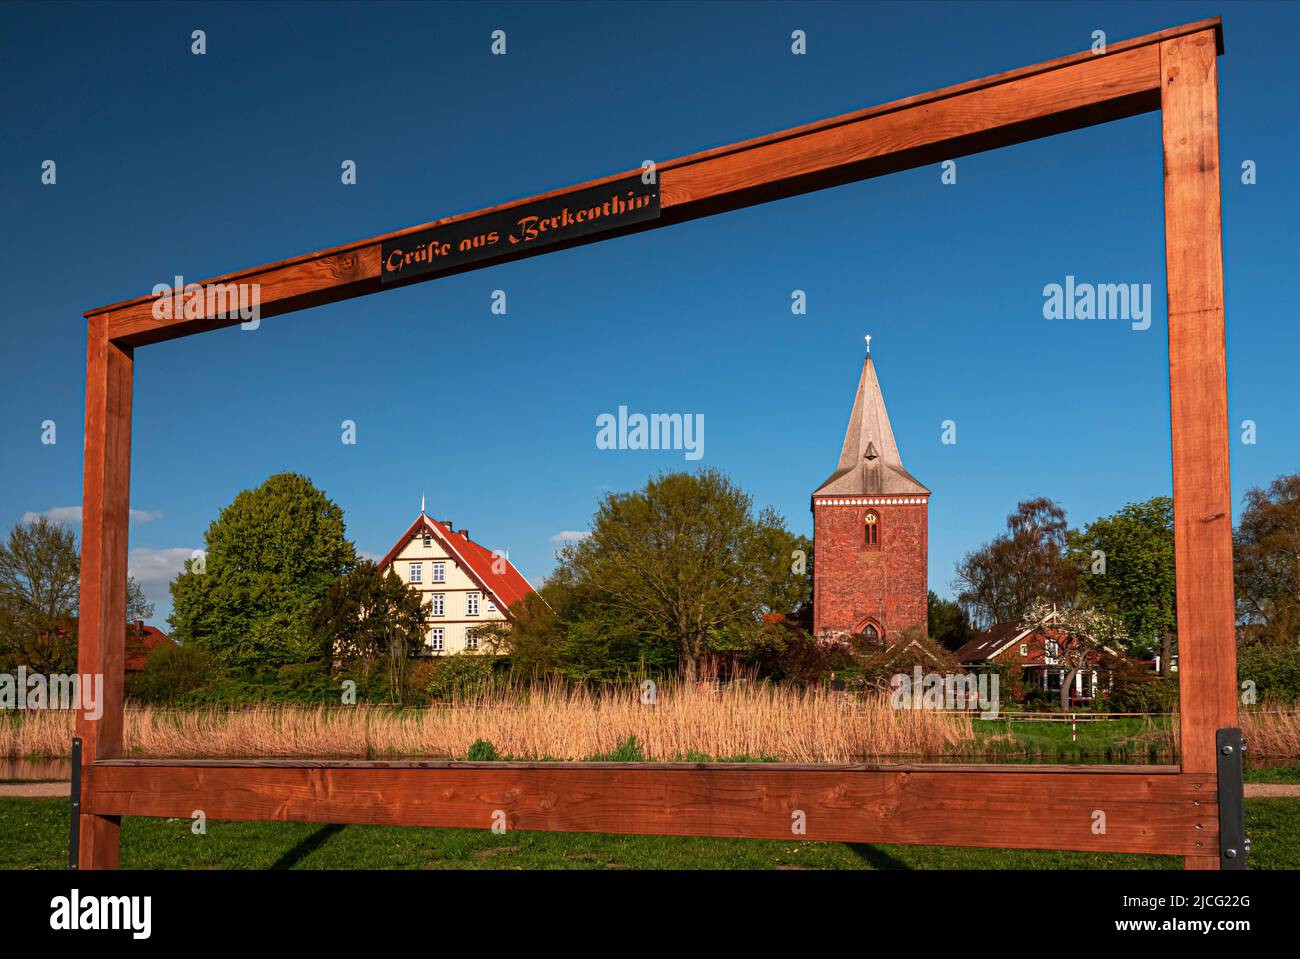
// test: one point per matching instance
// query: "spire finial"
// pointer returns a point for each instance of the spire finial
(868, 339)
(421, 504)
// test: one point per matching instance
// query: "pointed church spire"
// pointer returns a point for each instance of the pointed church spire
(869, 460)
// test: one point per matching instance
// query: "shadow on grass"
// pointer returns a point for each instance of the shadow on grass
(878, 858)
(308, 846)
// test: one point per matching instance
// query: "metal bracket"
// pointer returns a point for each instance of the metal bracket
(1229, 747)
(74, 831)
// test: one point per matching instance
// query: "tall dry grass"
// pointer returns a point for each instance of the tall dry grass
(1271, 732)
(547, 721)
(551, 721)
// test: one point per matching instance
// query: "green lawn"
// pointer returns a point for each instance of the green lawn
(1273, 774)
(34, 835)
(1112, 740)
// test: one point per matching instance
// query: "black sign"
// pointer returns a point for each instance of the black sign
(597, 209)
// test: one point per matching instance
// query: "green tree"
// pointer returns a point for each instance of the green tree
(170, 672)
(563, 629)
(998, 581)
(40, 574)
(270, 556)
(40, 586)
(949, 625)
(367, 619)
(1266, 551)
(1126, 567)
(669, 572)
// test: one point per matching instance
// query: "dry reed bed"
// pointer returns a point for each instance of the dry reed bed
(554, 722)
(1271, 732)
(547, 722)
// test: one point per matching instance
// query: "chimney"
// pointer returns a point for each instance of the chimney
(139, 627)
(447, 523)
(465, 533)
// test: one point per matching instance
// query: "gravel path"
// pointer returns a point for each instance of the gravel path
(35, 789)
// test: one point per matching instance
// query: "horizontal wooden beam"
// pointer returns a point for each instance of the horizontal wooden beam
(1048, 98)
(1089, 809)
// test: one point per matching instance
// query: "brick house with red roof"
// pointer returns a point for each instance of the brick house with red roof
(1036, 653)
(462, 583)
(141, 640)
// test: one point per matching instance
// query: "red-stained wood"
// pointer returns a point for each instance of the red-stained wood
(105, 515)
(1149, 813)
(1047, 98)
(1198, 387)
(982, 768)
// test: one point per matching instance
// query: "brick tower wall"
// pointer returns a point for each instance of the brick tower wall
(852, 581)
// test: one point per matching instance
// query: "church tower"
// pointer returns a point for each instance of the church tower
(870, 531)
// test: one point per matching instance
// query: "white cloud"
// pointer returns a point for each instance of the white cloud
(153, 567)
(72, 515)
(59, 514)
(569, 536)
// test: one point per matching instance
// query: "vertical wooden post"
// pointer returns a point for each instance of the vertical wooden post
(105, 519)
(1198, 383)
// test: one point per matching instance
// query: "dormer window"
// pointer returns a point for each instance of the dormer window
(871, 529)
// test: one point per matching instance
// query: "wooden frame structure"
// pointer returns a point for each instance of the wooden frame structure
(1158, 809)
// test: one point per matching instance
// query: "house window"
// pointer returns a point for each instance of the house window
(439, 604)
(471, 641)
(417, 572)
(428, 540)
(1024, 649)
(440, 572)
(435, 639)
(872, 533)
(471, 604)
(491, 606)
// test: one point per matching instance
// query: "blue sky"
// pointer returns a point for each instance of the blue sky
(170, 163)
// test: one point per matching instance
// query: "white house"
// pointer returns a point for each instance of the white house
(461, 583)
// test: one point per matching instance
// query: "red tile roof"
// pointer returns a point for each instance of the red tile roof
(142, 640)
(479, 563)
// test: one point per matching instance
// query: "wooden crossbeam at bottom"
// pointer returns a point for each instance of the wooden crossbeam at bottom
(1140, 809)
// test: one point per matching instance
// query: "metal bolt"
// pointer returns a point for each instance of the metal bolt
(1230, 853)
(1227, 750)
